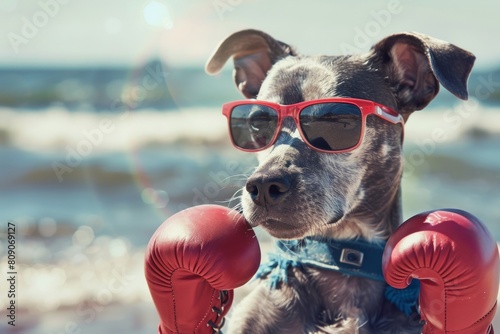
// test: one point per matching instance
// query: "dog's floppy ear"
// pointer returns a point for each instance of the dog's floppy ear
(415, 64)
(254, 53)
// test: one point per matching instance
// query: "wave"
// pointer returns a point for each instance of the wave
(464, 120)
(56, 128)
(89, 132)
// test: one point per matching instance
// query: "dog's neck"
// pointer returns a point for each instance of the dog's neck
(369, 222)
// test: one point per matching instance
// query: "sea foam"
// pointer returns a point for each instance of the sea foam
(56, 128)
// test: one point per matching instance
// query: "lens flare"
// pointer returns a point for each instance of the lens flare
(157, 14)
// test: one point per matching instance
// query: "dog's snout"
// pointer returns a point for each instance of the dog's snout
(268, 190)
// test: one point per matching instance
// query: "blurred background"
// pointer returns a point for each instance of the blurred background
(109, 125)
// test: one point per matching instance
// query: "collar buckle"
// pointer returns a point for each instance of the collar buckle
(351, 256)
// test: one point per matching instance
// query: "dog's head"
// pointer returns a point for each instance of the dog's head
(297, 191)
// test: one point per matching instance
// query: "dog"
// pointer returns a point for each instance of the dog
(305, 188)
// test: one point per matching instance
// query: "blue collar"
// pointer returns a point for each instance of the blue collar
(357, 257)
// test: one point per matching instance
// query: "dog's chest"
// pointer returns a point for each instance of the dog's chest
(346, 297)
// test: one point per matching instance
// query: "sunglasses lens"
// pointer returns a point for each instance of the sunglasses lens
(331, 126)
(253, 126)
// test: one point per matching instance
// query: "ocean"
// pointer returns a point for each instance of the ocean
(87, 174)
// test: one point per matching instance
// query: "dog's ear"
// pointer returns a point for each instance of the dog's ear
(415, 64)
(254, 53)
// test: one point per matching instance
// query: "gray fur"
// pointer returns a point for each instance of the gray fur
(348, 195)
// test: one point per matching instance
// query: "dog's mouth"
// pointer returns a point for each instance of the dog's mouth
(281, 229)
(289, 229)
(276, 225)
(335, 221)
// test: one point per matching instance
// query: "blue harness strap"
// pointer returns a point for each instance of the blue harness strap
(358, 258)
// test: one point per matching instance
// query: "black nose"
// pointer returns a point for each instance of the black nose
(268, 190)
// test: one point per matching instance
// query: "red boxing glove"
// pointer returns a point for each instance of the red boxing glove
(456, 260)
(193, 258)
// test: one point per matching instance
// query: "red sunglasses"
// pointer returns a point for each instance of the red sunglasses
(332, 125)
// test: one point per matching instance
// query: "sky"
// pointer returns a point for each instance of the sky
(185, 32)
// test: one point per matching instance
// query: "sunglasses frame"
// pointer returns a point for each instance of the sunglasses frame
(366, 107)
